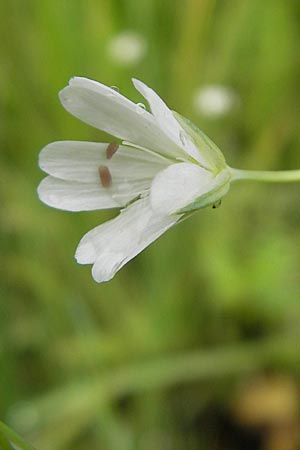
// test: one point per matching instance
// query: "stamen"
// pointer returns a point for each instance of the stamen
(105, 176)
(111, 149)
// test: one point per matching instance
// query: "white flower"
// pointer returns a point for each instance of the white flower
(164, 168)
(215, 100)
(127, 48)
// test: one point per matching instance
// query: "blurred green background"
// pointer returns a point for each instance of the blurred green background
(195, 343)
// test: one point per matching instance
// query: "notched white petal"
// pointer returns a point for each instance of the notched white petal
(112, 244)
(76, 196)
(104, 108)
(177, 186)
(73, 160)
(79, 196)
(79, 161)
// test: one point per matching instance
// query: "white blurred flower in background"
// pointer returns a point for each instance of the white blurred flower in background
(215, 100)
(127, 48)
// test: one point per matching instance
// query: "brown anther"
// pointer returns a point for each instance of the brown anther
(105, 176)
(111, 149)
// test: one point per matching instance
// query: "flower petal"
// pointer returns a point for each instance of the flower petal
(166, 120)
(104, 108)
(112, 244)
(79, 161)
(177, 186)
(78, 196)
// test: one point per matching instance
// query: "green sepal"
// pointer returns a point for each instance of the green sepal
(219, 187)
(206, 146)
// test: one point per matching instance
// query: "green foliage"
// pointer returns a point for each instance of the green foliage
(132, 363)
(9, 440)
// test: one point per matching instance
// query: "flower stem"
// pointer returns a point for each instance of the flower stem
(281, 176)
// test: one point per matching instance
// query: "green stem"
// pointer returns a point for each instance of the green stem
(281, 176)
(4, 445)
(11, 436)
